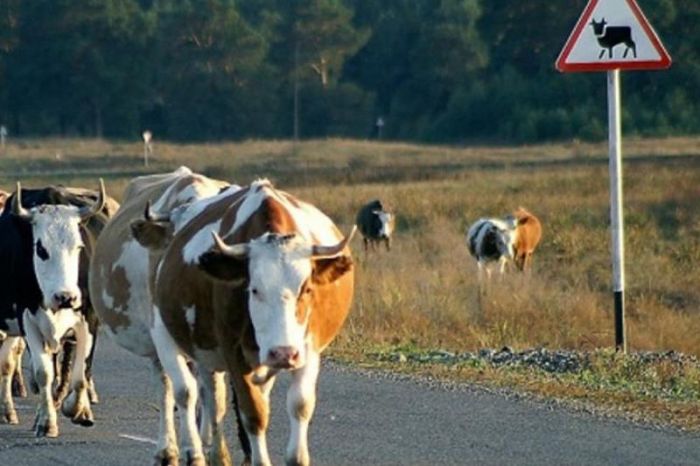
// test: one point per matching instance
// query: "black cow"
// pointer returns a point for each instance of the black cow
(376, 224)
(46, 239)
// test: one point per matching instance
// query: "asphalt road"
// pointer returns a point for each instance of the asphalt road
(360, 419)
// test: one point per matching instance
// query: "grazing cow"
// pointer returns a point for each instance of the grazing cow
(528, 235)
(376, 224)
(490, 240)
(269, 296)
(119, 274)
(47, 237)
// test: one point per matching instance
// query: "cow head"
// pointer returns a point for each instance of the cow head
(598, 27)
(386, 220)
(281, 273)
(57, 246)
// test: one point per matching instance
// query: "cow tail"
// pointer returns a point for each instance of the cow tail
(242, 436)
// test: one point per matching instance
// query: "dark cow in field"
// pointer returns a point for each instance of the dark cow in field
(376, 224)
(119, 273)
(47, 237)
(258, 282)
(500, 240)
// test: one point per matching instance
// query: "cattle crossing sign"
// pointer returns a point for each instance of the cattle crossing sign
(613, 34)
(609, 36)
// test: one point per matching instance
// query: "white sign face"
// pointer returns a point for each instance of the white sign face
(612, 34)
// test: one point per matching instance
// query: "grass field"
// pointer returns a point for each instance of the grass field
(424, 294)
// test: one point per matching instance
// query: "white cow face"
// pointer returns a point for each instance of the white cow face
(57, 247)
(282, 273)
(279, 274)
(387, 219)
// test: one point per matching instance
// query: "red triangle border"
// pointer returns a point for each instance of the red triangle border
(662, 63)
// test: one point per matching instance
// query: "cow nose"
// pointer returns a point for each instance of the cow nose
(283, 357)
(65, 299)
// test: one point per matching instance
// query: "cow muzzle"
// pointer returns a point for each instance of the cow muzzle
(65, 300)
(284, 357)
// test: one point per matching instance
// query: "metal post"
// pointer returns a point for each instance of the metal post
(616, 217)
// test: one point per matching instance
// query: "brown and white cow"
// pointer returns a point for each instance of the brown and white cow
(529, 233)
(119, 274)
(258, 282)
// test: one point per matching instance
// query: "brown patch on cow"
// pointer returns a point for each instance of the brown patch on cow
(117, 286)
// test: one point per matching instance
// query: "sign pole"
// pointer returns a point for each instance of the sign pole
(616, 214)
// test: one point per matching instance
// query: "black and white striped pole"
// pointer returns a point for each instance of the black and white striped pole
(617, 224)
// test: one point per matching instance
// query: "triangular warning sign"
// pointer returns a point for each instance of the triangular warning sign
(612, 34)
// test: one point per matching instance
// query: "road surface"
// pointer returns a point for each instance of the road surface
(360, 419)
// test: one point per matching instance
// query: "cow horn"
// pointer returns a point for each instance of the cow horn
(320, 252)
(87, 212)
(154, 217)
(17, 209)
(237, 251)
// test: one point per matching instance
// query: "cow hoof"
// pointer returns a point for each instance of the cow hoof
(195, 460)
(83, 418)
(10, 417)
(45, 429)
(167, 457)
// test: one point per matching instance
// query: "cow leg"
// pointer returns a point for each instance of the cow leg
(18, 387)
(63, 365)
(45, 424)
(502, 262)
(213, 412)
(301, 401)
(77, 404)
(185, 387)
(254, 404)
(8, 415)
(387, 243)
(93, 325)
(167, 454)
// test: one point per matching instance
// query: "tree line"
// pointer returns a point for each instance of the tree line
(432, 70)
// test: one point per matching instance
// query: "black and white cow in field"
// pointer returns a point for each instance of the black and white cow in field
(491, 241)
(46, 237)
(376, 224)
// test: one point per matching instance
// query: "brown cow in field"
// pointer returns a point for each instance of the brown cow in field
(529, 233)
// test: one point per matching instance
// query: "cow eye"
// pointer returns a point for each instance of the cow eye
(254, 291)
(41, 251)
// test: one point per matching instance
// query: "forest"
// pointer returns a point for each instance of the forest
(445, 71)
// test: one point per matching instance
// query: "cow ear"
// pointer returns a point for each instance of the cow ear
(329, 270)
(224, 267)
(152, 235)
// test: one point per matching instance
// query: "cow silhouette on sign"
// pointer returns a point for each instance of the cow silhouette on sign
(610, 36)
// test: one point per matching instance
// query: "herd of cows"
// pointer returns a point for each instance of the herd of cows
(200, 277)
